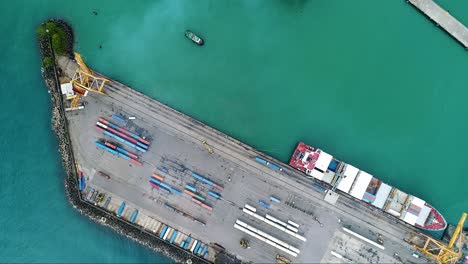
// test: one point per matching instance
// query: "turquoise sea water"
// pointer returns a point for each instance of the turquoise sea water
(373, 82)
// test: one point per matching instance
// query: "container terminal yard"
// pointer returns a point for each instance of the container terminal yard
(206, 193)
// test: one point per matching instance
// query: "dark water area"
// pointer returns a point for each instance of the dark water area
(374, 83)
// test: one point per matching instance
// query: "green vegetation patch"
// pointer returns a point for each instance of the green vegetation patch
(56, 33)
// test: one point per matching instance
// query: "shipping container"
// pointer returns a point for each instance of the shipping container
(142, 145)
(199, 197)
(136, 162)
(106, 204)
(262, 161)
(195, 244)
(83, 182)
(187, 241)
(189, 192)
(110, 145)
(173, 237)
(140, 149)
(176, 191)
(190, 188)
(167, 233)
(251, 208)
(123, 156)
(293, 224)
(163, 231)
(121, 208)
(118, 118)
(264, 204)
(158, 177)
(274, 166)
(209, 208)
(214, 194)
(196, 201)
(198, 249)
(134, 215)
(219, 187)
(144, 141)
(163, 169)
(205, 248)
(102, 120)
(274, 199)
(154, 185)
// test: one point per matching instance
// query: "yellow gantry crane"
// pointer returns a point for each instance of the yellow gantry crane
(436, 249)
(85, 80)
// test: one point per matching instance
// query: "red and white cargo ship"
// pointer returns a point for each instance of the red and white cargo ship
(322, 166)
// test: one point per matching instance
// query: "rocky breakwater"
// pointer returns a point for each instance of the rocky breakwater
(55, 37)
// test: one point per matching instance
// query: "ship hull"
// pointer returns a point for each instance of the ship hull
(318, 164)
(439, 222)
(194, 38)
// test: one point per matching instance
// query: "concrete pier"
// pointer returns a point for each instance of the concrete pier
(443, 19)
(177, 151)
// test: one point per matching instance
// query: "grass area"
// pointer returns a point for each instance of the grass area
(57, 34)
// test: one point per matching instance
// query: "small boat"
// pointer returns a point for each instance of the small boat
(196, 39)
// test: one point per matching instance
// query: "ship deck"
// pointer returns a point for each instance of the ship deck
(177, 145)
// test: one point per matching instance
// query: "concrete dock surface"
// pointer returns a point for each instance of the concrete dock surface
(443, 19)
(176, 145)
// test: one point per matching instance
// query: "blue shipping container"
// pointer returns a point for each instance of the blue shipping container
(99, 144)
(190, 188)
(196, 247)
(173, 237)
(333, 165)
(274, 199)
(134, 215)
(80, 183)
(118, 118)
(122, 207)
(187, 242)
(123, 156)
(163, 170)
(142, 145)
(199, 249)
(274, 166)
(163, 231)
(140, 149)
(215, 195)
(205, 248)
(260, 160)
(266, 205)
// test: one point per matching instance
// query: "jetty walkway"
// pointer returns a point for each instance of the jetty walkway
(443, 19)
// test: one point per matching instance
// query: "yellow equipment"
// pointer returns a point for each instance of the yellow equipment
(282, 260)
(436, 249)
(85, 79)
(207, 147)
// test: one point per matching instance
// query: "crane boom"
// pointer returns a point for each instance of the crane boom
(457, 231)
(437, 250)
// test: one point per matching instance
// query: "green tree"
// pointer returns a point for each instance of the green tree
(48, 62)
(57, 35)
(42, 31)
